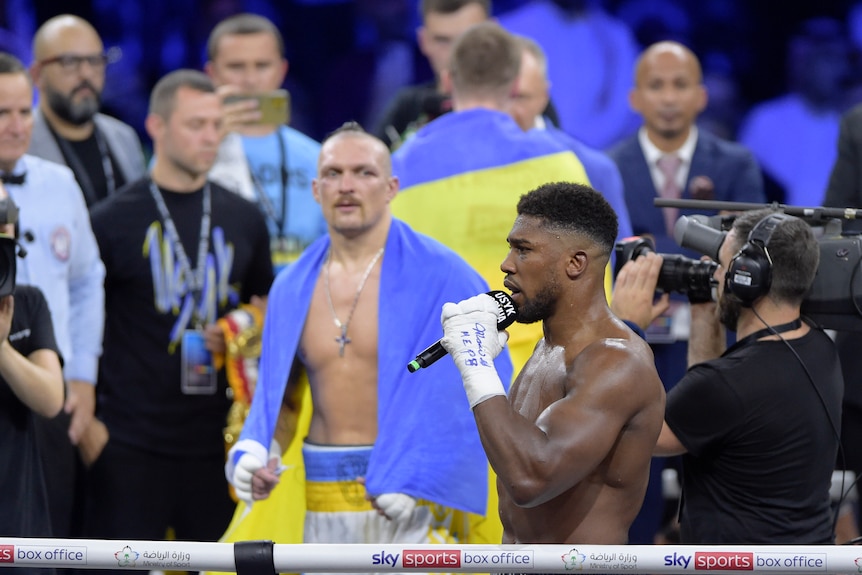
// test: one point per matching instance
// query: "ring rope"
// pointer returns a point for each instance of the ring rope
(426, 558)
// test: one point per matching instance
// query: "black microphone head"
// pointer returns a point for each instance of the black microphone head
(507, 311)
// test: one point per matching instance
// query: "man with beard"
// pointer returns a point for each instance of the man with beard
(758, 424)
(69, 71)
(571, 445)
(671, 158)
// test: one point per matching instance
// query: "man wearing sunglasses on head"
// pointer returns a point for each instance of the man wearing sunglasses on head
(69, 71)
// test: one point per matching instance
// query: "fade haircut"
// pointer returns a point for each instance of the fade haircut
(451, 6)
(164, 95)
(241, 25)
(794, 252)
(574, 208)
(486, 60)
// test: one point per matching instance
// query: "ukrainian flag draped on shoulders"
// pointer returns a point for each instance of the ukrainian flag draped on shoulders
(461, 177)
(427, 444)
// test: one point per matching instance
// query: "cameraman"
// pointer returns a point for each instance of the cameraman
(31, 384)
(757, 425)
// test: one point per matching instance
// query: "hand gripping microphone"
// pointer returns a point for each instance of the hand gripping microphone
(507, 313)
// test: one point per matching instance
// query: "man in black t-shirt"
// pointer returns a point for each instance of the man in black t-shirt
(757, 425)
(31, 385)
(180, 252)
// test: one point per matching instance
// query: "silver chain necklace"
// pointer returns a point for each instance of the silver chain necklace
(343, 340)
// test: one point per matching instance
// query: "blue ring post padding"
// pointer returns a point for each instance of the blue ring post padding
(254, 558)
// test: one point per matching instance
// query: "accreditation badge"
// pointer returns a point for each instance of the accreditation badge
(198, 370)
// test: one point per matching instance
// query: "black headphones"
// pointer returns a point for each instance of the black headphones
(749, 274)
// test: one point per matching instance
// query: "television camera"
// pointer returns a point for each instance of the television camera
(834, 300)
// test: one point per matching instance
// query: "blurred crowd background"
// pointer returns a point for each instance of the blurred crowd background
(348, 57)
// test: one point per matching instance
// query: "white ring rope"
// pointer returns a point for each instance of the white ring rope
(365, 558)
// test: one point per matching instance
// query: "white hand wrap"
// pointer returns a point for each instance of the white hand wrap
(396, 506)
(243, 474)
(276, 452)
(471, 337)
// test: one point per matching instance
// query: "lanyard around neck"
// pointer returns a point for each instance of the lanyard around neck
(107, 166)
(194, 277)
(771, 330)
(81, 173)
(265, 201)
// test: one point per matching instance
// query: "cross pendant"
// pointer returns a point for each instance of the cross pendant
(342, 340)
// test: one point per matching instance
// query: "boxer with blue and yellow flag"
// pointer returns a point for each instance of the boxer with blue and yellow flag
(390, 456)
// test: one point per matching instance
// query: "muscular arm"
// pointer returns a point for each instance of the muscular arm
(266, 478)
(288, 415)
(604, 388)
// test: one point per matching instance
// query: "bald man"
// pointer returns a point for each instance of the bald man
(670, 158)
(69, 71)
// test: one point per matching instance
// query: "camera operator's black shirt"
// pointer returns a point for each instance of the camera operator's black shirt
(23, 497)
(761, 443)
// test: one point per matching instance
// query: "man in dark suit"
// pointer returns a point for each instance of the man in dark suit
(69, 71)
(670, 158)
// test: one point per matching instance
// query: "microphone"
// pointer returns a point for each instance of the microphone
(507, 313)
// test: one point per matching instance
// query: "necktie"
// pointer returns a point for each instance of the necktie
(669, 165)
(16, 179)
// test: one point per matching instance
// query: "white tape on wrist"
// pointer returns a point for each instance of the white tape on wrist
(481, 386)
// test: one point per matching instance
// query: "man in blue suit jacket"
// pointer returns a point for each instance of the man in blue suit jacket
(669, 95)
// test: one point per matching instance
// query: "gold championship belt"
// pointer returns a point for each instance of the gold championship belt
(242, 332)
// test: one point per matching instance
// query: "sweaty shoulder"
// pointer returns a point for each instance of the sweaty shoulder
(621, 358)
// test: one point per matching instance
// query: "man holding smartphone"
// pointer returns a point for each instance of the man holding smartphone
(261, 158)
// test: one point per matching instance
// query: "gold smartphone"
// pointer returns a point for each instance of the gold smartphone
(274, 106)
